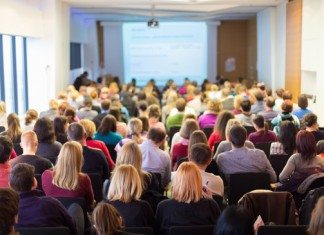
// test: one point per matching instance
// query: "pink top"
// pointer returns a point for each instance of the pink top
(101, 146)
(179, 151)
(4, 174)
(84, 190)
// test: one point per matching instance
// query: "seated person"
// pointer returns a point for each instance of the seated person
(201, 155)
(241, 159)
(286, 144)
(156, 160)
(9, 201)
(262, 134)
(154, 115)
(5, 151)
(175, 117)
(29, 143)
(124, 194)
(188, 206)
(310, 121)
(268, 112)
(35, 210)
(66, 179)
(209, 117)
(60, 127)
(246, 116)
(258, 106)
(302, 104)
(86, 111)
(107, 131)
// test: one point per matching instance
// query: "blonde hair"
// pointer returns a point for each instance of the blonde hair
(125, 184)
(68, 166)
(214, 106)
(317, 220)
(135, 127)
(229, 125)
(31, 115)
(189, 126)
(2, 107)
(14, 129)
(89, 127)
(107, 219)
(131, 154)
(187, 184)
(53, 104)
(154, 111)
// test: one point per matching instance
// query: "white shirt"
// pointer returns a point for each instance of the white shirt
(213, 182)
(156, 160)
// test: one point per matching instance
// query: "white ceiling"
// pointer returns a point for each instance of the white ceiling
(168, 10)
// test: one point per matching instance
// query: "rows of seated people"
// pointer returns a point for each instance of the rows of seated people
(107, 159)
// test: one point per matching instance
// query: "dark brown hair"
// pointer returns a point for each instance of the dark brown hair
(237, 135)
(221, 122)
(200, 154)
(9, 202)
(181, 104)
(309, 119)
(287, 136)
(306, 144)
(115, 111)
(303, 101)
(21, 177)
(108, 124)
(44, 130)
(145, 123)
(156, 134)
(59, 123)
(5, 148)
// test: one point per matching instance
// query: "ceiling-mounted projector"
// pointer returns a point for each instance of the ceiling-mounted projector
(153, 23)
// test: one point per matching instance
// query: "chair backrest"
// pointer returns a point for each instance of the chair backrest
(43, 230)
(96, 182)
(159, 178)
(38, 177)
(308, 205)
(67, 201)
(140, 230)
(282, 230)
(52, 159)
(172, 131)
(241, 183)
(112, 151)
(278, 162)
(249, 129)
(192, 230)
(208, 131)
(265, 147)
(17, 148)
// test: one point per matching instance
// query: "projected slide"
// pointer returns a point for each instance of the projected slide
(174, 50)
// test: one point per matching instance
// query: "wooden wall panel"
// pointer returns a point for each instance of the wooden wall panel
(293, 47)
(101, 49)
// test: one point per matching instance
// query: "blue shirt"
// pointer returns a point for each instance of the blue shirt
(300, 113)
(111, 138)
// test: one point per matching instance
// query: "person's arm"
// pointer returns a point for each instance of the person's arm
(288, 169)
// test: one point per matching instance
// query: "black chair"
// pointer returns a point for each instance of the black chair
(220, 201)
(105, 188)
(17, 148)
(112, 151)
(96, 182)
(265, 147)
(278, 162)
(39, 181)
(241, 183)
(192, 230)
(208, 131)
(159, 178)
(43, 230)
(52, 159)
(282, 230)
(308, 205)
(172, 131)
(212, 168)
(140, 230)
(249, 129)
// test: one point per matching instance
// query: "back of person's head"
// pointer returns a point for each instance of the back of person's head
(154, 111)
(44, 130)
(287, 136)
(145, 123)
(279, 92)
(270, 102)
(237, 135)
(21, 177)
(189, 116)
(234, 220)
(181, 104)
(6, 146)
(246, 106)
(125, 184)
(115, 112)
(306, 144)
(258, 121)
(196, 137)
(69, 113)
(131, 154)
(259, 95)
(87, 101)
(157, 135)
(135, 126)
(287, 106)
(230, 123)
(142, 105)
(105, 105)
(200, 154)
(29, 140)
(30, 115)
(9, 201)
(187, 183)
(106, 219)
(89, 127)
(214, 106)
(60, 124)
(302, 101)
(316, 224)
(68, 166)
(2, 107)
(53, 104)
(320, 147)
(287, 95)
(75, 132)
(108, 124)
(309, 120)
(189, 126)
(221, 122)
(14, 129)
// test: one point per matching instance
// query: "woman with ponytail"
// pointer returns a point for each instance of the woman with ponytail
(30, 119)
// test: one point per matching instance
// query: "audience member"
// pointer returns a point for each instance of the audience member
(70, 115)
(279, 100)
(142, 108)
(262, 134)
(60, 128)
(187, 206)
(241, 159)
(86, 112)
(175, 117)
(51, 113)
(286, 143)
(258, 106)
(317, 221)
(121, 127)
(268, 112)
(209, 117)
(5, 151)
(35, 210)
(29, 144)
(3, 115)
(124, 194)
(154, 159)
(30, 119)
(107, 131)
(14, 131)
(66, 179)
(246, 116)
(94, 160)
(129, 103)
(105, 105)
(154, 115)
(9, 201)
(311, 124)
(302, 104)
(195, 103)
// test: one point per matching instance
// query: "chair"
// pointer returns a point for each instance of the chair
(265, 147)
(159, 178)
(282, 230)
(172, 131)
(241, 183)
(96, 182)
(278, 162)
(208, 131)
(105, 188)
(249, 129)
(308, 205)
(43, 230)
(192, 230)
(39, 181)
(112, 151)
(140, 230)
(52, 159)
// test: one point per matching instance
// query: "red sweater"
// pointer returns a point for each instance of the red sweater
(179, 151)
(97, 144)
(214, 138)
(84, 190)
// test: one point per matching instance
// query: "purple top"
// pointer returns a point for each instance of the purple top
(207, 120)
(262, 137)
